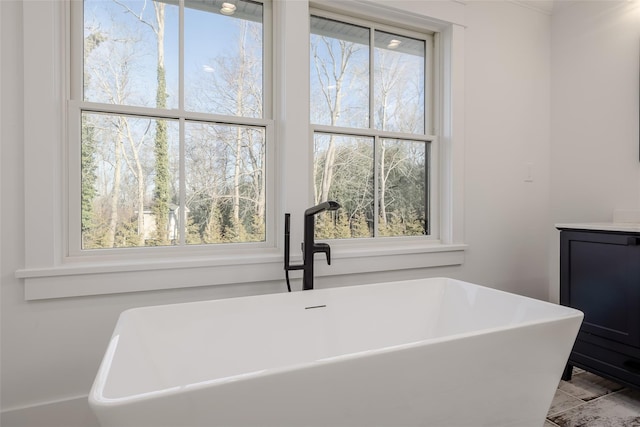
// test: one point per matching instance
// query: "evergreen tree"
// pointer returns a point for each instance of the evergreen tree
(360, 226)
(342, 229)
(89, 178)
(257, 229)
(213, 230)
(324, 227)
(193, 233)
(126, 234)
(162, 177)
(162, 180)
(235, 232)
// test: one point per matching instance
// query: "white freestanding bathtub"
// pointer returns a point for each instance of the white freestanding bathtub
(431, 352)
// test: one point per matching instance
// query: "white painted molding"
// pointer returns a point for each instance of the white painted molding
(84, 280)
(44, 99)
(411, 12)
(73, 412)
(542, 6)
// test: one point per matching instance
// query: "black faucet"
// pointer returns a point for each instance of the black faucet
(309, 247)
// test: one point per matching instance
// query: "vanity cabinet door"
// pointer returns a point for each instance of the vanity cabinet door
(600, 275)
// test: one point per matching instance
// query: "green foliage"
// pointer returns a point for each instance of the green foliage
(221, 228)
(360, 226)
(342, 229)
(193, 235)
(89, 177)
(162, 177)
(212, 232)
(235, 232)
(332, 226)
(324, 226)
(415, 226)
(393, 227)
(95, 237)
(401, 225)
(88, 149)
(127, 234)
(258, 229)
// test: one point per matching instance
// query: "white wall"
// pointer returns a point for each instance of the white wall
(51, 348)
(595, 166)
(507, 128)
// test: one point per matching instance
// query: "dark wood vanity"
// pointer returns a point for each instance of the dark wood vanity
(600, 275)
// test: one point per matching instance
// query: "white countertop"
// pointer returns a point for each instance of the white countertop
(632, 227)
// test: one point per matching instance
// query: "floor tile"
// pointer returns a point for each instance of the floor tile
(588, 386)
(620, 409)
(563, 402)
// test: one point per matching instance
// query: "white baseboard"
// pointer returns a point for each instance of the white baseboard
(73, 412)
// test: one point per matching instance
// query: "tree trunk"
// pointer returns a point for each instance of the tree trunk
(136, 168)
(327, 173)
(237, 169)
(330, 160)
(383, 175)
(346, 50)
(383, 185)
(110, 237)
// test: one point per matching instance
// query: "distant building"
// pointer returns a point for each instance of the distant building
(149, 226)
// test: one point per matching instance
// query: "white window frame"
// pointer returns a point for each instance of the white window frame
(77, 105)
(49, 270)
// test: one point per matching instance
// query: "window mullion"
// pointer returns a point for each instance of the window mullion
(428, 86)
(376, 184)
(76, 43)
(372, 126)
(182, 218)
(425, 83)
(427, 189)
(436, 85)
(371, 81)
(181, 57)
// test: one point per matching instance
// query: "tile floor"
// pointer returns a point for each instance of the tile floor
(591, 401)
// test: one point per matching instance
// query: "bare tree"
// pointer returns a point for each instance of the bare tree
(237, 197)
(397, 98)
(110, 76)
(392, 96)
(135, 166)
(331, 72)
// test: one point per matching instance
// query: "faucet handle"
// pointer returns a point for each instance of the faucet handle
(323, 247)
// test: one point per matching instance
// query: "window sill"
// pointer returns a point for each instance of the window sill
(84, 278)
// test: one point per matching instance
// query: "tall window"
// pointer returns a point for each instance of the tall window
(371, 123)
(171, 121)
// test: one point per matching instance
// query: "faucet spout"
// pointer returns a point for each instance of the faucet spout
(324, 206)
